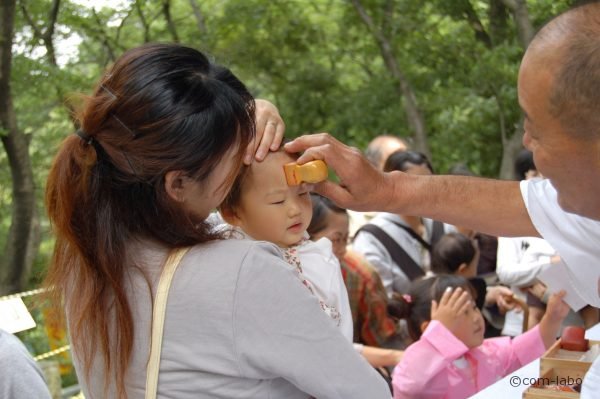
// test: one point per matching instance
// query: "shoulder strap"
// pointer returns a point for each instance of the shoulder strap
(437, 231)
(158, 319)
(398, 254)
(414, 235)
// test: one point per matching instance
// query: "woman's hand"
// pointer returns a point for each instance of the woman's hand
(269, 131)
(361, 186)
(453, 308)
(500, 296)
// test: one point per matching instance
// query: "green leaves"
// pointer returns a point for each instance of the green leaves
(315, 59)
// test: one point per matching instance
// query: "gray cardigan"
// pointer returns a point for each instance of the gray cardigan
(239, 324)
(20, 376)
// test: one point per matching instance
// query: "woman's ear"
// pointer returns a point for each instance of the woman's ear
(424, 326)
(175, 182)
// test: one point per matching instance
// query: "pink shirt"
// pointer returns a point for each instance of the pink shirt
(439, 365)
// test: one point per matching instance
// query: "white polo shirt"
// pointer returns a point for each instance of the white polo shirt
(575, 238)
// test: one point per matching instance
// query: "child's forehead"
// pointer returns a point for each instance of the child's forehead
(437, 289)
(270, 170)
(274, 161)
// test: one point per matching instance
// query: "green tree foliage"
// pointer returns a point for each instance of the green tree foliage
(315, 59)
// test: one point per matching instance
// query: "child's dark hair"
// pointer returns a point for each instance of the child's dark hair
(401, 160)
(233, 198)
(451, 251)
(321, 207)
(524, 163)
(415, 307)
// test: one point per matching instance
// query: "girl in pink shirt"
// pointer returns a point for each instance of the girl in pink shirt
(450, 358)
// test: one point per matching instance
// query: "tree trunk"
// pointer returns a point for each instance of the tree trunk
(104, 37)
(47, 37)
(166, 6)
(144, 22)
(199, 17)
(498, 17)
(523, 22)
(476, 24)
(512, 145)
(23, 234)
(403, 86)
(510, 149)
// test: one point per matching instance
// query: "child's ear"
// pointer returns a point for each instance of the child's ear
(462, 268)
(228, 214)
(424, 326)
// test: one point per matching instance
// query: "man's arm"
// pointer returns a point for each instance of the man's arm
(490, 206)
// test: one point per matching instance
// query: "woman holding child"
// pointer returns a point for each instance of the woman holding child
(161, 141)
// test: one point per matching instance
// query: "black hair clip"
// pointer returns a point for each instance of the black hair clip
(84, 136)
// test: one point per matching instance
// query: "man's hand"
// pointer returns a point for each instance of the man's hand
(361, 186)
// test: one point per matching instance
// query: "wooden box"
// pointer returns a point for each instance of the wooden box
(564, 359)
(559, 367)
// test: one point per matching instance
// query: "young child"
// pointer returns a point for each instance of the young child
(450, 358)
(263, 207)
(457, 254)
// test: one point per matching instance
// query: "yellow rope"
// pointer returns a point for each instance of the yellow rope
(52, 353)
(23, 294)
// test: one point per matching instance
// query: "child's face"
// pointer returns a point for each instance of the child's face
(269, 209)
(471, 331)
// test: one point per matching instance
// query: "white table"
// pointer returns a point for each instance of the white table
(513, 385)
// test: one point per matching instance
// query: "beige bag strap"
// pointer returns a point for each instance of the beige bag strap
(158, 319)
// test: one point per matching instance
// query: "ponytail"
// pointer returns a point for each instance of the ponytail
(83, 267)
(399, 306)
(415, 307)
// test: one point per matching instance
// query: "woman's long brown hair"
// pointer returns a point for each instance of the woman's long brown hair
(159, 108)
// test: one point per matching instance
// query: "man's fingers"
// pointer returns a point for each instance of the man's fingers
(312, 153)
(302, 143)
(360, 184)
(334, 192)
